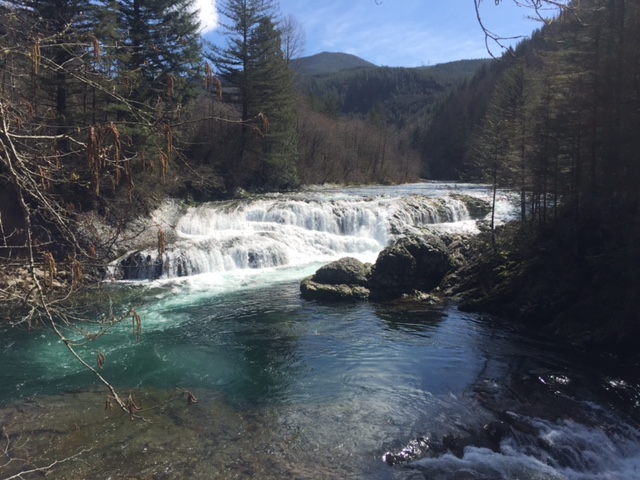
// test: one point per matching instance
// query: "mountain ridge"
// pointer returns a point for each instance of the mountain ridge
(330, 62)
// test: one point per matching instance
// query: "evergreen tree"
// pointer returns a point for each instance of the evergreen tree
(61, 30)
(235, 62)
(258, 80)
(274, 98)
(162, 50)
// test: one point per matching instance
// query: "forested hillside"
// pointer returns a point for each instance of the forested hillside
(377, 114)
(402, 94)
(329, 62)
(557, 120)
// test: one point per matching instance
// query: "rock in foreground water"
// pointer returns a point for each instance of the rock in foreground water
(344, 279)
(412, 264)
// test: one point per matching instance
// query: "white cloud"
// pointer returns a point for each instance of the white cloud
(208, 15)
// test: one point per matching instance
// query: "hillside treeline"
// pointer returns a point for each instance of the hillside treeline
(557, 119)
(109, 106)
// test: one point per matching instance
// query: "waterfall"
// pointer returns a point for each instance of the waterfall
(286, 230)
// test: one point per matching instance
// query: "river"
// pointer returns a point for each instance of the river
(288, 388)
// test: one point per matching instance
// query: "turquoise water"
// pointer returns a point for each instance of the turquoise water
(293, 389)
(262, 344)
(341, 384)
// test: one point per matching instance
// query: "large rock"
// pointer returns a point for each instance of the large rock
(410, 264)
(311, 290)
(477, 207)
(344, 279)
(347, 270)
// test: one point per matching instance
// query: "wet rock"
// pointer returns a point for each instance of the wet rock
(138, 267)
(344, 279)
(476, 207)
(489, 437)
(312, 290)
(347, 270)
(412, 266)
(417, 448)
(412, 263)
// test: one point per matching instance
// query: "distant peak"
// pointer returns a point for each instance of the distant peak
(330, 62)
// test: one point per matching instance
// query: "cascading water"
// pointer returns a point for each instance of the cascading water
(287, 231)
(293, 389)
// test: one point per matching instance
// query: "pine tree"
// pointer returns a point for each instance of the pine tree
(274, 97)
(162, 50)
(235, 62)
(258, 80)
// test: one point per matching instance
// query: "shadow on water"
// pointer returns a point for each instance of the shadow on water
(294, 389)
(411, 317)
(537, 410)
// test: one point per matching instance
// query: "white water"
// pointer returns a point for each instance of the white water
(563, 450)
(329, 388)
(297, 230)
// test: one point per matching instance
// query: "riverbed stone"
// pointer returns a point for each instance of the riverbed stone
(312, 290)
(344, 279)
(411, 263)
(347, 270)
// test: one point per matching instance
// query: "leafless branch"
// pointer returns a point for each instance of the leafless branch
(45, 469)
(543, 11)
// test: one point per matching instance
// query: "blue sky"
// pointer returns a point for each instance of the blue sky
(406, 33)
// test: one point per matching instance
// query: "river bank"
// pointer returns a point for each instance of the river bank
(287, 387)
(584, 297)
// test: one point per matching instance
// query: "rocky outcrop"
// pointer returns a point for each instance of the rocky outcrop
(412, 264)
(477, 207)
(135, 266)
(344, 279)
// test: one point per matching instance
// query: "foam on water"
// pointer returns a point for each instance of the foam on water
(299, 229)
(484, 464)
(332, 386)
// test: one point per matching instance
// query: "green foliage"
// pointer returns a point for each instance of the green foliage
(161, 51)
(258, 80)
(403, 93)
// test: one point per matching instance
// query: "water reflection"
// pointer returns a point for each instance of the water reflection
(293, 389)
(411, 317)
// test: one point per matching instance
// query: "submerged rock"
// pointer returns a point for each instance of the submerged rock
(488, 436)
(417, 448)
